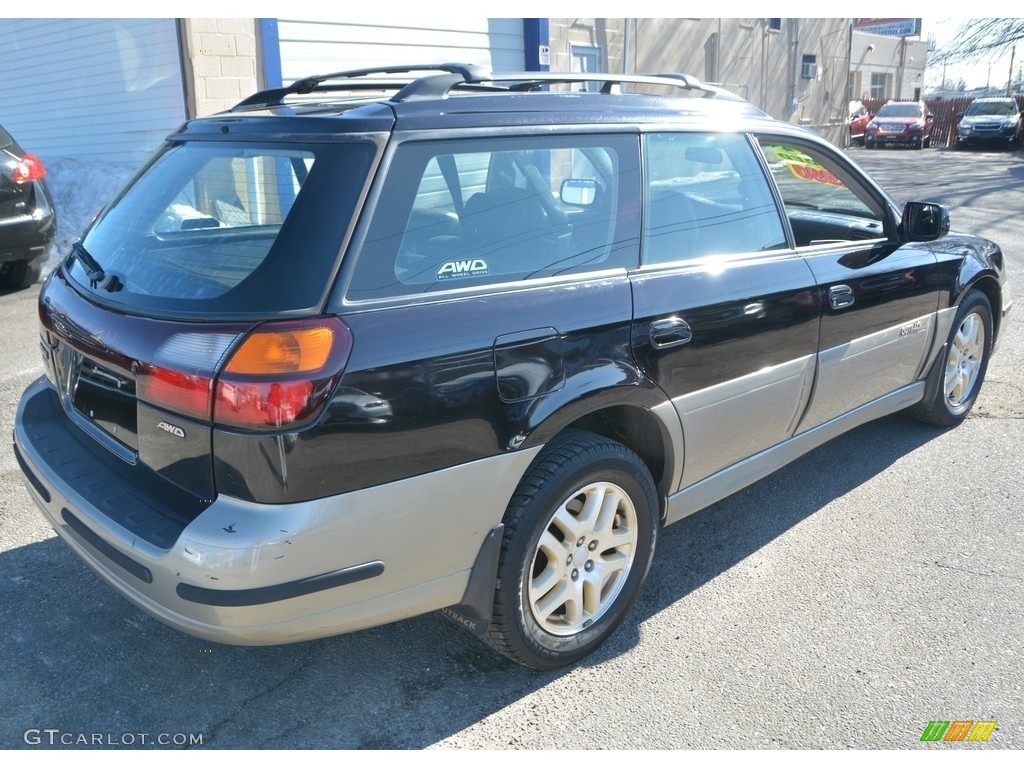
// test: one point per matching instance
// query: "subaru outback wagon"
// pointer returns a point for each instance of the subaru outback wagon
(387, 342)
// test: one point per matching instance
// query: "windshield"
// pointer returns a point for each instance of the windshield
(900, 110)
(995, 108)
(224, 228)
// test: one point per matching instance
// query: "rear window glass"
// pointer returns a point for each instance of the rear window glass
(219, 228)
(477, 211)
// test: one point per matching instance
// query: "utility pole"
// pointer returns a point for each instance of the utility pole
(1009, 79)
(900, 69)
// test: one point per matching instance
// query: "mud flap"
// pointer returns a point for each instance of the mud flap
(474, 612)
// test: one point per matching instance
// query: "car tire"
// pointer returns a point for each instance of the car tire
(17, 275)
(928, 143)
(961, 369)
(571, 565)
(869, 144)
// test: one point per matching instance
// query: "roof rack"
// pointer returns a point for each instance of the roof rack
(450, 76)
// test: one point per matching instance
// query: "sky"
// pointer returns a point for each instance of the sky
(976, 73)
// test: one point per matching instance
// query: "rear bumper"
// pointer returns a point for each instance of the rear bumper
(254, 574)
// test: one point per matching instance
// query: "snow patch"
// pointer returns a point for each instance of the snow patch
(80, 189)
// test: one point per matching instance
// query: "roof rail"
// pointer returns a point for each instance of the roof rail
(272, 97)
(610, 83)
(465, 77)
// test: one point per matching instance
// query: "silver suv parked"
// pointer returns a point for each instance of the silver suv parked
(990, 121)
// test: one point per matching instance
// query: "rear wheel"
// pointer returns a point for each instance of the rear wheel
(16, 275)
(579, 537)
(964, 364)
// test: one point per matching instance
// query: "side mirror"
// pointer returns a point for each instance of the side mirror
(959, 115)
(925, 221)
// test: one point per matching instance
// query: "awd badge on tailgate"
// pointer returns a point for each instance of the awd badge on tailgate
(172, 429)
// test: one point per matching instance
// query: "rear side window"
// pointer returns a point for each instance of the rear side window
(218, 228)
(468, 212)
(706, 195)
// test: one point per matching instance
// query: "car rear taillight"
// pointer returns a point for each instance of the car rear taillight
(184, 393)
(279, 375)
(29, 168)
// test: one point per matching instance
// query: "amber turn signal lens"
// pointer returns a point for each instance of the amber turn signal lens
(295, 351)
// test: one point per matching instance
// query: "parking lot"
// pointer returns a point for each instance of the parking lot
(869, 588)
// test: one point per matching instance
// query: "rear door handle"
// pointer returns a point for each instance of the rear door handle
(670, 332)
(840, 296)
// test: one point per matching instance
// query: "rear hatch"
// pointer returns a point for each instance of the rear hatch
(192, 303)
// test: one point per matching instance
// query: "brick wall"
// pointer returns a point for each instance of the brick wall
(222, 57)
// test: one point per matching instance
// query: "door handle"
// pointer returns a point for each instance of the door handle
(670, 332)
(840, 296)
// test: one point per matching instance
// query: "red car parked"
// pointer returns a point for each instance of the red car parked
(859, 119)
(900, 122)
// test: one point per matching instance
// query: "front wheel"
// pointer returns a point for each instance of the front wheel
(579, 537)
(964, 365)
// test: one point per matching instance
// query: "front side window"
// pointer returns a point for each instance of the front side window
(460, 213)
(824, 204)
(706, 195)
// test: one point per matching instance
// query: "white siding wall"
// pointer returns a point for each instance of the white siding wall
(106, 89)
(326, 44)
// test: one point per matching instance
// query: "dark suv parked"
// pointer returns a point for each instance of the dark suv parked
(28, 222)
(374, 345)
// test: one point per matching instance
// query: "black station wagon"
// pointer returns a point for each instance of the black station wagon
(386, 342)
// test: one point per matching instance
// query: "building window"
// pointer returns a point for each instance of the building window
(809, 70)
(586, 59)
(775, 24)
(880, 84)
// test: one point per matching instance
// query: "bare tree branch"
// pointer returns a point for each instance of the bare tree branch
(976, 38)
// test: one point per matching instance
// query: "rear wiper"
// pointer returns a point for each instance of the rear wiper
(93, 270)
(98, 278)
